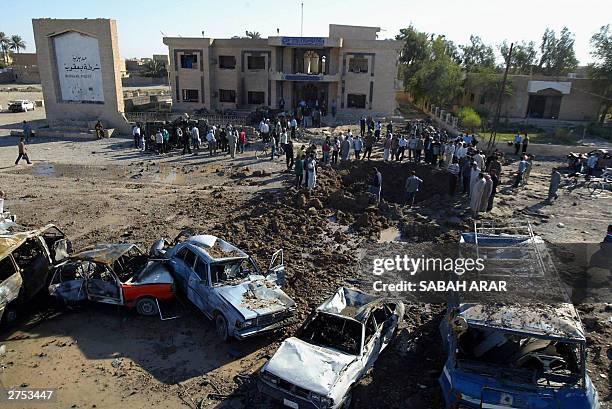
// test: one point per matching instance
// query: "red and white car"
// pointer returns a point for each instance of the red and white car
(113, 274)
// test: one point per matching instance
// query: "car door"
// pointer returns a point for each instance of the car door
(276, 269)
(33, 261)
(372, 345)
(199, 285)
(68, 282)
(103, 285)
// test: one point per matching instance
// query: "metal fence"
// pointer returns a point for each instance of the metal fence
(213, 119)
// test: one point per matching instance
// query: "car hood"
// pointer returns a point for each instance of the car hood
(308, 366)
(256, 296)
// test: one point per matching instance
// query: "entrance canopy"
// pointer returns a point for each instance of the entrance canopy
(536, 86)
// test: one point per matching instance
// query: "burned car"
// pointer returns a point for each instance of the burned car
(332, 351)
(26, 259)
(515, 354)
(226, 284)
(117, 274)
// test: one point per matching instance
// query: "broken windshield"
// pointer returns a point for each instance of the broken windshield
(521, 357)
(332, 331)
(231, 271)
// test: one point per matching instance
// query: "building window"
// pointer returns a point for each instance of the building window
(227, 95)
(358, 65)
(191, 95)
(356, 101)
(472, 96)
(311, 62)
(227, 62)
(189, 61)
(256, 97)
(255, 62)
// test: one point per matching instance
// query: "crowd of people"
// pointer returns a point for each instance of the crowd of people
(469, 171)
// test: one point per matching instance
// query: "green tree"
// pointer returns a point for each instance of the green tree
(155, 69)
(477, 55)
(4, 47)
(428, 67)
(16, 43)
(415, 51)
(524, 57)
(557, 54)
(252, 34)
(601, 69)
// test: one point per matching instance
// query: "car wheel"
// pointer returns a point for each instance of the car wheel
(146, 306)
(10, 315)
(221, 327)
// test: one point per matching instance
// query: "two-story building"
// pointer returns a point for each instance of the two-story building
(350, 68)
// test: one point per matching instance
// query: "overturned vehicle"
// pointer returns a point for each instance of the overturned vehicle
(518, 355)
(26, 260)
(117, 274)
(332, 351)
(228, 286)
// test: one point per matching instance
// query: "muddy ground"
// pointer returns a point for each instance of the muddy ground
(106, 191)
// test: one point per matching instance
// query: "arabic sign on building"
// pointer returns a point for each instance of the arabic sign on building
(303, 41)
(78, 67)
(302, 77)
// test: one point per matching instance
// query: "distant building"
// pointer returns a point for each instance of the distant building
(350, 67)
(537, 99)
(162, 59)
(25, 68)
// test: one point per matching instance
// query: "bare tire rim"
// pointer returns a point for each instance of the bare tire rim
(221, 327)
(147, 307)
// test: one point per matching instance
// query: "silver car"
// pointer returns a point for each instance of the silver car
(228, 286)
(334, 349)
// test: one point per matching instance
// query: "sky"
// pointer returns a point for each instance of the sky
(141, 23)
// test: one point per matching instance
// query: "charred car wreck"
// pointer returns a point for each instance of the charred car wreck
(26, 260)
(519, 355)
(117, 274)
(226, 284)
(334, 348)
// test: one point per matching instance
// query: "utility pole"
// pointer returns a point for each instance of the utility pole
(493, 137)
(302, 23)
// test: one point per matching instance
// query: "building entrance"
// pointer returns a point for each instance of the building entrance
(311, 93)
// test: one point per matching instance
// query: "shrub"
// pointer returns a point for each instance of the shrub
(469, 118)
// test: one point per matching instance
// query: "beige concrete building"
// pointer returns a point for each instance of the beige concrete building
(350, 68)
(25, 68)
(80, 71)
(538, 99)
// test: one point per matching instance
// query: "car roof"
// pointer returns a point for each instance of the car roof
(215, 249)
(558, 321)
(11, 242)
(103, 253)
(350, 303)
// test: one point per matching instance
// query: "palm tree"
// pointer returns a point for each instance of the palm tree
(253, 34)
(4, 45)
(155, 69)
(16, 43)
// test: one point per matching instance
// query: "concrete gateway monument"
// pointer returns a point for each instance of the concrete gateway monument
(80, 72)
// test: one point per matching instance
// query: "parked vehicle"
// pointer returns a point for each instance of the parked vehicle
(113, 274)
(521, 355)
(22, 105)
(26, 259)
(228, 287)
(335, 347)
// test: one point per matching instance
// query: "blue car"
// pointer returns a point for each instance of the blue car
(228, 286)
(514, 355)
